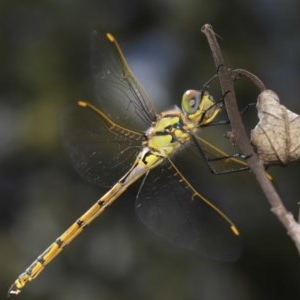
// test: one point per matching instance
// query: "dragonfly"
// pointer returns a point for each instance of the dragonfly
(122, 139)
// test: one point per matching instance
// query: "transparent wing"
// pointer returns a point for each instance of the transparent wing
(101, 150)
(170, 206)
(119, 94)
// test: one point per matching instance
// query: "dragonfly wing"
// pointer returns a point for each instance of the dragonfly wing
(119, 94)
(171, 207)
(101, 151)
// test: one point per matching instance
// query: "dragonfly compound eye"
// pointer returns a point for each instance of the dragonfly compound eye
(190, 101)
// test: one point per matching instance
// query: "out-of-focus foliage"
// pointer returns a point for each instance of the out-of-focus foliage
(45, 61)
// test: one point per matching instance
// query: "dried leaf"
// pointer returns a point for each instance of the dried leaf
(276, 137)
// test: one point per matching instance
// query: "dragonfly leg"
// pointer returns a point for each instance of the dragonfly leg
(209, 160)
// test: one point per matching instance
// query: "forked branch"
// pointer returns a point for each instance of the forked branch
(226, 77)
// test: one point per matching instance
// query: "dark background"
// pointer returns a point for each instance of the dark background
(44, 61)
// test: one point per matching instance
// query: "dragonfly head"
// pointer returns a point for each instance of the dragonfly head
(199, 107)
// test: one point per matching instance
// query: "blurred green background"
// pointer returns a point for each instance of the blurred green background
(45, 54)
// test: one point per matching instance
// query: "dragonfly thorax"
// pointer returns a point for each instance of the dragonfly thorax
(170, 131)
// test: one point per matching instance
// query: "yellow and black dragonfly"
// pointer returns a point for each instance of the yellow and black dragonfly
(122, 139)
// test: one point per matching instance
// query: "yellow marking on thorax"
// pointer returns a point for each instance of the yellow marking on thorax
(150, 161)
(146, 160)
(164, 138)
(166, 121)
(160, 141)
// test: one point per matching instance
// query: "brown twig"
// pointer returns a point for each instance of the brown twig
(242, 141)
(237, 73)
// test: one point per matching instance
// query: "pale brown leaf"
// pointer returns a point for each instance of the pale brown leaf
(276, 137)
